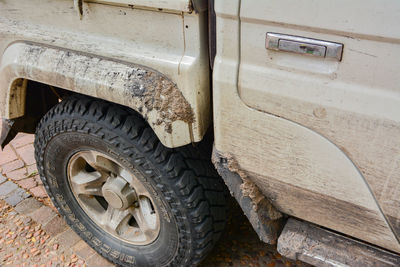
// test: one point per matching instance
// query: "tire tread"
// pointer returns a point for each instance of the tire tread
(188, 170)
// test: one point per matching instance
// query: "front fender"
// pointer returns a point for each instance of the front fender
(145, 90)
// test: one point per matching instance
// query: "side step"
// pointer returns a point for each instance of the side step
(317, 246)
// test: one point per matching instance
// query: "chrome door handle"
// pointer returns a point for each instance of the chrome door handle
(302, 45)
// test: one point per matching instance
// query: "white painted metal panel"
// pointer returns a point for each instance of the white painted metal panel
(355, 103)
(301, 127)
(176, 5)
(168, 42)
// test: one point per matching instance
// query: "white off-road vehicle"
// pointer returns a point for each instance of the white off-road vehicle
(136, 104)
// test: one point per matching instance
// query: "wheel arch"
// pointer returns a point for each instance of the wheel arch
(148, 92)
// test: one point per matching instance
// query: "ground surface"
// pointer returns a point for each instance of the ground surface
(33, 234)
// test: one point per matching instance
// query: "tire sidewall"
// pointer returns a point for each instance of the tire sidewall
(56, 155)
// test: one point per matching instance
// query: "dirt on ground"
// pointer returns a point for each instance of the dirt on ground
(23, 242)
(240, 246)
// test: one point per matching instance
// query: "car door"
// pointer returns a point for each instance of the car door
(316, 112)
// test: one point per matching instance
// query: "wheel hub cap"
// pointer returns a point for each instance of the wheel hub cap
(118, 193)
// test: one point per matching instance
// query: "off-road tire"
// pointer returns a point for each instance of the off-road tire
(184, 180)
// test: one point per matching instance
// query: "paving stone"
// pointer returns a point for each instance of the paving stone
(43, 215)
(22, 139)
(7, 155)
(32, 170)
(28, 205)
(20, 247)
(11, 166)
(7, 188)
(39, 191)
(55, 226)
(2, 179)
(27, 154)
(17, 174)
(68, 239)
(83, 250)
(27, 183)
(17, 196)
(38, 180)
(97, 260)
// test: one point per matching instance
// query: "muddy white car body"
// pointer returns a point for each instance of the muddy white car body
(299, 131)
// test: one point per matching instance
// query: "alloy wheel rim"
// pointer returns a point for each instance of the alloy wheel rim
(113, 197)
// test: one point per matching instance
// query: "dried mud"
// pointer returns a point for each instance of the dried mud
(249, 189)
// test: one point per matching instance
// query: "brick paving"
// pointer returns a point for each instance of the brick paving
(17, 164)
(31, 232)
(26, 211)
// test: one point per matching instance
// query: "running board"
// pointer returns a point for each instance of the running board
(317, 246)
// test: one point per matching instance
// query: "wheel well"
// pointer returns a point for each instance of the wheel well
(40, 98)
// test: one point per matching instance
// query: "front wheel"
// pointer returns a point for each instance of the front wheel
(134, 201)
